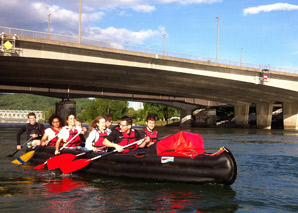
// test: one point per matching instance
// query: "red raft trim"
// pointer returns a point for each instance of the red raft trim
(182, 144)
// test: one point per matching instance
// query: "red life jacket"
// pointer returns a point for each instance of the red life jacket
(152, 135)
(76, 141)
(54, 140)
(102, 136)
(127, 139)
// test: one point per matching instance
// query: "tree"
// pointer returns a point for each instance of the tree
(103, 106)
(160, 111)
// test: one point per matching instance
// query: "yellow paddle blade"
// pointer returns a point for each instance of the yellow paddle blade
(24, 158)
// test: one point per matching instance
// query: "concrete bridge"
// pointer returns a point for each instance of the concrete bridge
(64, 69)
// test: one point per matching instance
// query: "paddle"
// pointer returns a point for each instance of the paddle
(27, 156)
(11, 155)
(81, 163)
(42, 166)
(56, 161)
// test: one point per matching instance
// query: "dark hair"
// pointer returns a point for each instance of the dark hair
(127, 119)
(53, 117)
(108, 117)
(31, 114)
(93, 124)
(151, 118)
(65, 122)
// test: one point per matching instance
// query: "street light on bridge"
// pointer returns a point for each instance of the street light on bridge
(241, 57)
(80, 13)
(49, 25)
(164, 43)
(217, 39)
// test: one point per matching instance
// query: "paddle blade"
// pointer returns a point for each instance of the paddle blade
(24, 158)
(56, 161)
(41, 166)
(74, 165)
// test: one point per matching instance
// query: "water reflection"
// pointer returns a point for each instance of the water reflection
(64, 185)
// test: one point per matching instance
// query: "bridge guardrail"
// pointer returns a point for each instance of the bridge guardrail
(74, 39)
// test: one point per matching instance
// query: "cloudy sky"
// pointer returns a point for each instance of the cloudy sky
(266, 30)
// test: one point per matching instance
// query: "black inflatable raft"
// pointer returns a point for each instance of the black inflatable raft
(220, 167)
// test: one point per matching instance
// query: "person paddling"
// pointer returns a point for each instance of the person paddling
(124, 136)
(98, 132)
(69, 134)
(34, 130)
(50, 136)
(149, 130)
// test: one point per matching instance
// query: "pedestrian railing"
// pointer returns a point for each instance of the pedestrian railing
(75, 39)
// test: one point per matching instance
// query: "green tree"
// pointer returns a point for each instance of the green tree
(161, 111)
(104, 106)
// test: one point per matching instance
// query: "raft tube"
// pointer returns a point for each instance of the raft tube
(219, 168)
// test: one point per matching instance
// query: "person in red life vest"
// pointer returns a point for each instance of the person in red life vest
(124, 136)
(34, 130)
(149, 130)
(97, 134)
(50, 135)
(69, 133)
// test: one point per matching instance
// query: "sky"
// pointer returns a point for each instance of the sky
(265, 31)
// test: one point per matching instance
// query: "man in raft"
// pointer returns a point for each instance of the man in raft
(109, 121)
(34, 131)
(149, 129)
(125, 135)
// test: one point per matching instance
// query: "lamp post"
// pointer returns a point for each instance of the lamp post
(164, 43)
(80, 13)
(49, 25)
(217, 39)
(241, 57)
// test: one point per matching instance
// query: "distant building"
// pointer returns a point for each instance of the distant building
(18, 116)
(137, 105)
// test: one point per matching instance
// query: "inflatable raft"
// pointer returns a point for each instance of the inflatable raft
(178, 158)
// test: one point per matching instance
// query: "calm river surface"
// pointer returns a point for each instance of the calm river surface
(267, 180)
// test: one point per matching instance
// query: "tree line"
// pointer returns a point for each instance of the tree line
(87, 109)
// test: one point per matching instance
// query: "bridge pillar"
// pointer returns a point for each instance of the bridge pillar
(63, 108)
(241, 115)
(290, 115)
(264, 115)
(185, 117)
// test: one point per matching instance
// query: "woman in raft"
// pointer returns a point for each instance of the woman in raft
(69, 136)
(98, 132)
(50, 135)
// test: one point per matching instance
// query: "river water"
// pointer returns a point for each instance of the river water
(267, 180)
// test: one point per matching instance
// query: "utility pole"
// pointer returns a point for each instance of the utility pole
(49, 25)
(164, 43)
(217, 39)
(241, 57)
(80, 14)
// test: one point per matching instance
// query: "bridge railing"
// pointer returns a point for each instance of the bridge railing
(74, 39)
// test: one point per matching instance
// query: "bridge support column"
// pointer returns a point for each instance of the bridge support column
(63, 108)
(241, 115)
(185, 118)
(290, 115)
(264, 115)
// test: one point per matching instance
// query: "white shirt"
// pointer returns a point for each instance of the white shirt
(92, 137)
(50, 133)
(64, 133)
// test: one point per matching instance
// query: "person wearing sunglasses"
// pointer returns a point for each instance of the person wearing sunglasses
(125, 135)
